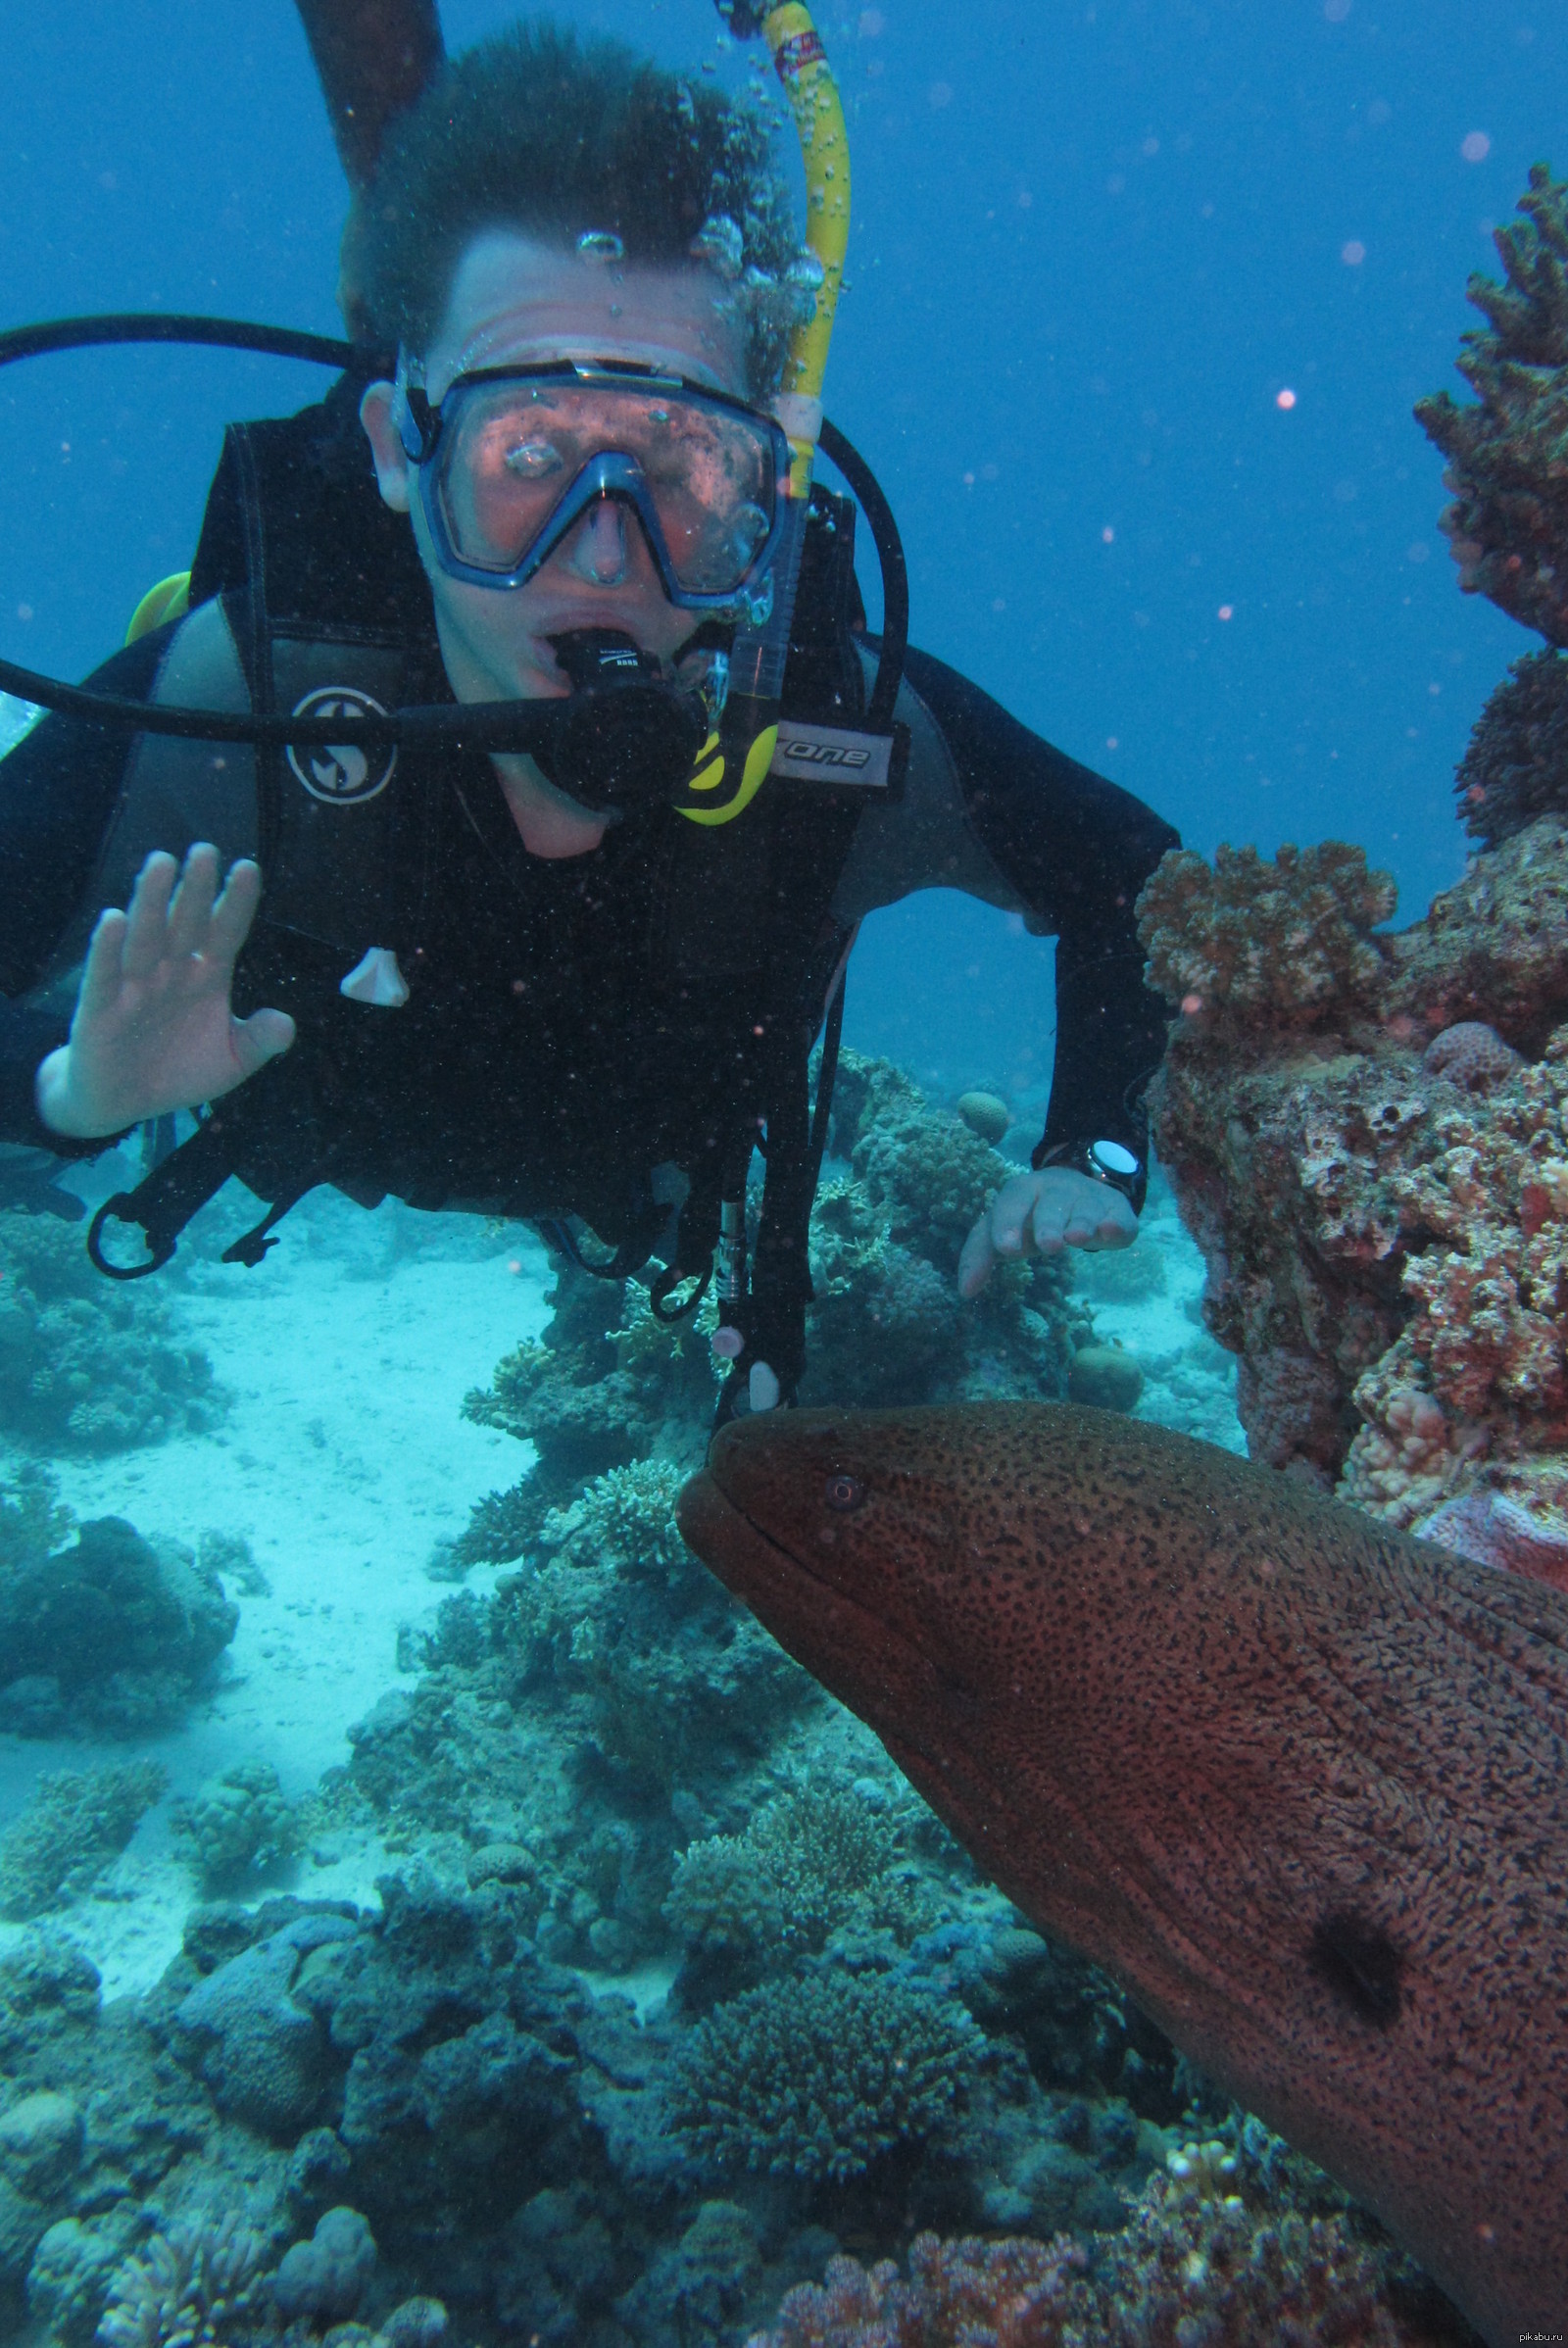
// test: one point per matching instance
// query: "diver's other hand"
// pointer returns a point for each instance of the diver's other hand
(1040, 1214)
(153, 1030)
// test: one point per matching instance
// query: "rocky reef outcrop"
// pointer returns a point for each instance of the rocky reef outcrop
(1376, 1166)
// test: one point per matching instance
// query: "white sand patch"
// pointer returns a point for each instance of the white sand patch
(343, 1460)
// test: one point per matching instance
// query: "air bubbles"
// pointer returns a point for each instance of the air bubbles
(601, 246)
(720, 244)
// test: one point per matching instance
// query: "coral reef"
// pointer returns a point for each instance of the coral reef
(1383, 1204)
(615, 1662)
(985, 1113)
(821, 2077)
(76, 1823)
(104, 1634)
(887, 1326)
(235, 1827)
(85, 1363)
(327, 2276)
(1516, 765)
(608, 1384)
(1507, 526)
(189, 2288)
(1286, 942)
(1193, 2267)
(1107, 1376)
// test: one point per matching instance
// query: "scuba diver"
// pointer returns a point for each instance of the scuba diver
(522, 690)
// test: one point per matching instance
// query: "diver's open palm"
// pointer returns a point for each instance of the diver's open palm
(153, 1030)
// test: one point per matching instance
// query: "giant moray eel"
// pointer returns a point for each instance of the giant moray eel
(1298, 1782)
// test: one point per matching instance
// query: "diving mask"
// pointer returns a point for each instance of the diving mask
(513, 457)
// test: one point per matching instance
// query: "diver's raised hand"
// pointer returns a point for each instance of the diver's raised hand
(1040, 1214)
(153, 1030)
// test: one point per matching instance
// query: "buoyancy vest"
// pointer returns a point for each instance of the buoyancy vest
(314, 592)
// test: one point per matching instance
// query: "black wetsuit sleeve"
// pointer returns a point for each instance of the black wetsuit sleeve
(1076, 849)
(58, 787)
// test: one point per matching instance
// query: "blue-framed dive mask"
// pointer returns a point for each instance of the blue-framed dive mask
(513, 457)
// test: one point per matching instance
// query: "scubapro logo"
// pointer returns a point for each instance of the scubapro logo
(342, 774)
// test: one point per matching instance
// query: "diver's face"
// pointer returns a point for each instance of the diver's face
(518, 300)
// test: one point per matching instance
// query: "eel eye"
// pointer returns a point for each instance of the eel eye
(844, 1493)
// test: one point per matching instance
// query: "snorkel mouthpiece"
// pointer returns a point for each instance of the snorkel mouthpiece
(624, 735)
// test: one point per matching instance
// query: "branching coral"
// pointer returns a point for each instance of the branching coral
(86, 1364)
(818, 2076)
(76, 1823)
(1508, 522)
(806, 1864)
(1289, 942)
(188, 2288)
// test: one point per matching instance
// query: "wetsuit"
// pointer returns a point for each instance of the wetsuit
(571, 1024)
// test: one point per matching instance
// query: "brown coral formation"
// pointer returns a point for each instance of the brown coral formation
(1508, 524)
(1378, 1175)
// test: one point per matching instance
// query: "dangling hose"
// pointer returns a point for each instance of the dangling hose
(749, 731)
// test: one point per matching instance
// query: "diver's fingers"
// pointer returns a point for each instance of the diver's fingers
(1010, 1212)
(103, 969)
(977, 1259)
(235, 910)
(147, 919)
(191, 907)
(260, 1037)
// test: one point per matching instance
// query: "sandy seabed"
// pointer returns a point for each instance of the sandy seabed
(344, 1460)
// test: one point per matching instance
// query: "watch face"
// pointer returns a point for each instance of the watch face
(1109, 1158)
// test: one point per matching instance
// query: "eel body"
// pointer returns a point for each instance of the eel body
(1298, 1782)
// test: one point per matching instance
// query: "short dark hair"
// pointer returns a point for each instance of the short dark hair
(533, 129)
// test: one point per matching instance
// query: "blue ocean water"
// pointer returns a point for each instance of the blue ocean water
(1140, 296)
(1093, 244)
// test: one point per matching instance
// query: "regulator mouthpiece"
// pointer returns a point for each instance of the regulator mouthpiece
(624, 736)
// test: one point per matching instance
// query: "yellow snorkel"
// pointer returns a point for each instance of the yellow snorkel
(736, 757)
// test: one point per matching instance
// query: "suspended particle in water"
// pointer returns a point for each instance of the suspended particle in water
(601, 246)
(1226, 611)
(1475, 146)
(1285, 399)
(1107, 535)
(1353, 252)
